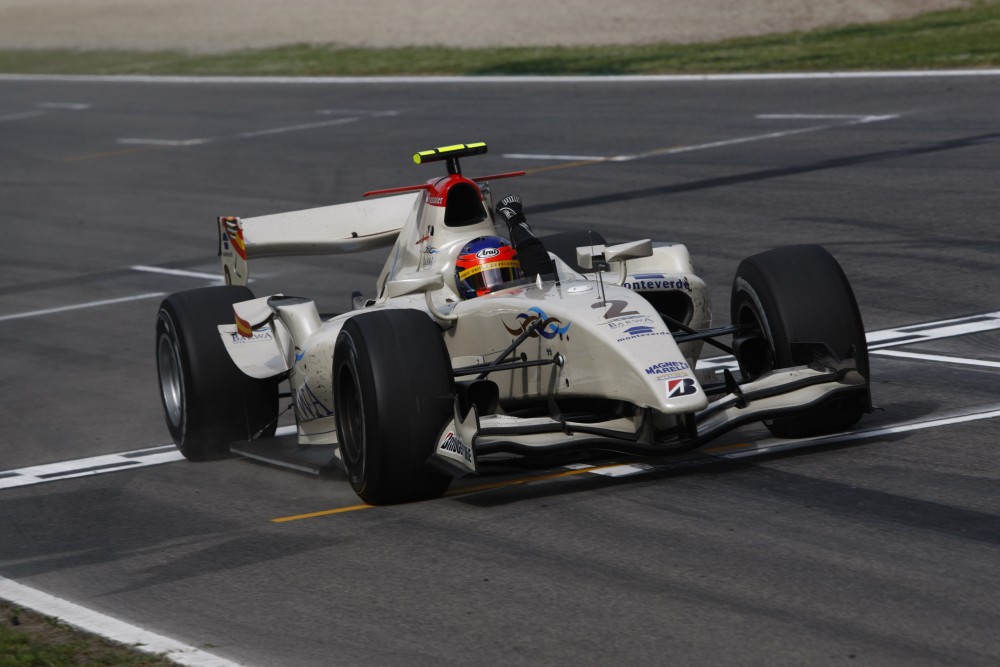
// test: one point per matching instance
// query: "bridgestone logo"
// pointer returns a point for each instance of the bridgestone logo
(452, 443)
(681, 387)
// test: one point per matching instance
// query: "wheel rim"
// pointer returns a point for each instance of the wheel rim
(758, 358)
(350, 419)
(171, 381)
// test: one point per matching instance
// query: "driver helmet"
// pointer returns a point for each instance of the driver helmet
(485, 264)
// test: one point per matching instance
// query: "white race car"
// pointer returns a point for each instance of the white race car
(464, 355)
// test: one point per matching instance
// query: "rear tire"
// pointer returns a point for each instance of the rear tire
(802, 305)
(393, 394)
(208, 402)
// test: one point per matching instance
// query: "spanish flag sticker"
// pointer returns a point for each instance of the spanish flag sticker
(242, 326)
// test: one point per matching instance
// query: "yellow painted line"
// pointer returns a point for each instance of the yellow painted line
(464, 491)
(524, 480)
(313, 515)
(729, 448)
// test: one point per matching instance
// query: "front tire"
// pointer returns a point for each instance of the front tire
(800, 308)
(208, 402)
(393, 394)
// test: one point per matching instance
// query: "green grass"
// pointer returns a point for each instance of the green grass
(28, 639)
(960, 38)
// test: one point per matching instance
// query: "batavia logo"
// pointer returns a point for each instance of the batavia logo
(255, 335)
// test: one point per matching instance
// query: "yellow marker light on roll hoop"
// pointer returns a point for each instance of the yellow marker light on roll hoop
(418, 156)
(421, 156)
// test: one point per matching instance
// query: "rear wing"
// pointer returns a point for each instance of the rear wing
(351, 227)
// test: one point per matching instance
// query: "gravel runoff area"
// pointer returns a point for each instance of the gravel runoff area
(228, 25)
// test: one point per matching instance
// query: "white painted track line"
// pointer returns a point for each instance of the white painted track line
(106, 626)
(908, 335)
(78, 306)
(937, 357)
(823, 116)
(178, 272)
(45, 107)
(242, 135)
(557, 157)
(392, 80)
(70, 106)
(773, 445)
(20, 115)
(845, 120)
(96, 465)
(918, 333)
(93, 465)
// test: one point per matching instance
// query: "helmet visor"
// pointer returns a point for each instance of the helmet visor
(488, 277)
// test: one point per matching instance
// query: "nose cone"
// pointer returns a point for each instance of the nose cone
(629, 353)
(615, 347)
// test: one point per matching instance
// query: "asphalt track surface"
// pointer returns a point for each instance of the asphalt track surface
(877, 548)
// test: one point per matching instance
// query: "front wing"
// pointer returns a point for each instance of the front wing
(469, 439)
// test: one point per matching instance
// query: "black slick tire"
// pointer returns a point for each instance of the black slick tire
(393, 394)
(800, 302)
(208, 402)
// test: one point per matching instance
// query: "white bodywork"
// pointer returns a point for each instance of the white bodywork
(605, 337)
